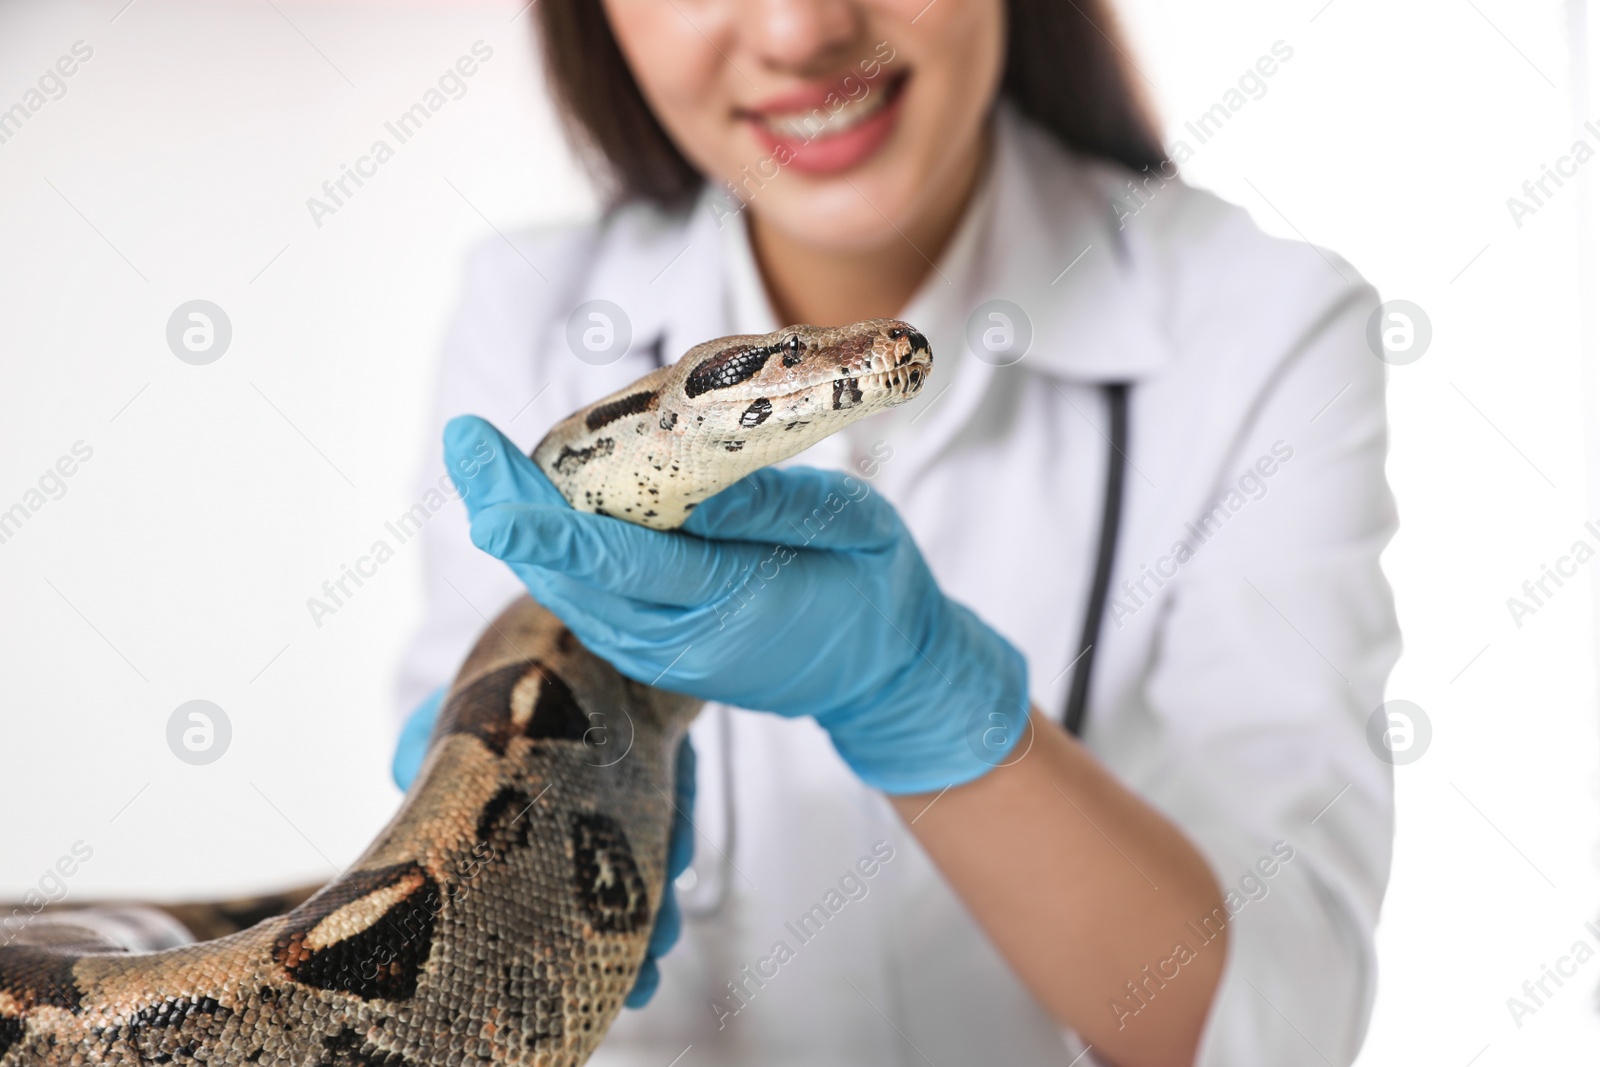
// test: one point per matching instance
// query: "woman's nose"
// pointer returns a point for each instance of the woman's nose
(800, 35)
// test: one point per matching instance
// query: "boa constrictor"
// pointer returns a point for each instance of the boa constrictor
(502, 915)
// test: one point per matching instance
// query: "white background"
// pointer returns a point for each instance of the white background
(218, 498)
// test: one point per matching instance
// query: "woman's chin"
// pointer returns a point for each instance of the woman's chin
(842, 213)
(829, 230)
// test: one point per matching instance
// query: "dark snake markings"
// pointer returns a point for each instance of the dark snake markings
(485, 708)
(177, 1023)
(573, 458)
(348, 1048)
(846, 393)
(10, 1033)
(759, 411)
(174, 1012)
(383, 960)
(918, 341)
(173, 1030)
(34, 977)
(632, 404)
(504, 825)
(607, 879)
(727, 369)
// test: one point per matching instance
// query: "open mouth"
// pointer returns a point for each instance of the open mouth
(823, 121)
(907, 379)
(825, 129)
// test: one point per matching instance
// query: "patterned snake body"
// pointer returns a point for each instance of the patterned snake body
(501, 916)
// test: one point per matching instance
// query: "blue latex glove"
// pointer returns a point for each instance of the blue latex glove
(413, 746)
(847, 626)
(413, 743)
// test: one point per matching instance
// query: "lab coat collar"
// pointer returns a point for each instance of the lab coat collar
(1058, 249)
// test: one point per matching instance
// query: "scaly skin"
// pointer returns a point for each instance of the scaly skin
(501, 916)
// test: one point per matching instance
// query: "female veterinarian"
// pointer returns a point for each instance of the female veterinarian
(1090, 770)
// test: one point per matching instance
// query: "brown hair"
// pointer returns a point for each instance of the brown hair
(1066, 68)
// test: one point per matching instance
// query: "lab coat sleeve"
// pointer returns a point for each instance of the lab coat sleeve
(1272, 654)
(488, 366)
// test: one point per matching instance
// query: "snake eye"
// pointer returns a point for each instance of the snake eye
(792, 349)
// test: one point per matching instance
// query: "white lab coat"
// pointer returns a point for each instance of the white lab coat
(1248, 639)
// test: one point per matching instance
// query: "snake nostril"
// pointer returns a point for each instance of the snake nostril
(916, 342)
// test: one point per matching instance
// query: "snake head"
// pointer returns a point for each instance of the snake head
(773, 395)
(650, 452)
(885, 358)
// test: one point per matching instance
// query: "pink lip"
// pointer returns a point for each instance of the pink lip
(806, 97)
(828, 154)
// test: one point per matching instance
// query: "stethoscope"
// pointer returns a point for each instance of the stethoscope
(703, 890)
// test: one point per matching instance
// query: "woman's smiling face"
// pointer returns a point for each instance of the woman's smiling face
(840, 122)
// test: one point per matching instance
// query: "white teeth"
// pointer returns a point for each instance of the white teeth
(820, 122)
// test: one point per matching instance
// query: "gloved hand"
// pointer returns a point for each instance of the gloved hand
(413, 743)
(798, 592)
(413, 746)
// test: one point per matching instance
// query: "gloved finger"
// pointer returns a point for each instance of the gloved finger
(413, 744)
(800, 507)
(642, 641)
(644, 986)
(602, 621)
(669, 924)
(488, 467)
(607, 622)
(614, 556)
(680, 847)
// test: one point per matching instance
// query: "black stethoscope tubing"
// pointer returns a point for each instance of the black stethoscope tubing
(1077, 709)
